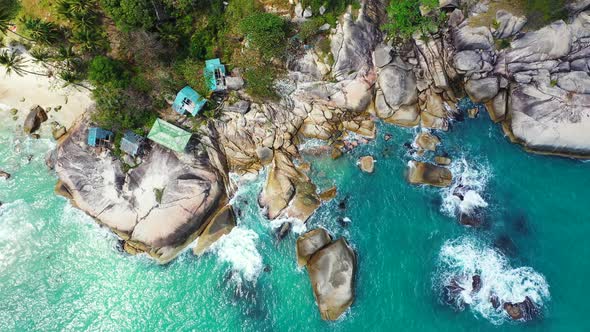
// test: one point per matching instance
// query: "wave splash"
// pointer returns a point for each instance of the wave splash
(238, 248)
(460, 260)
(464, 196)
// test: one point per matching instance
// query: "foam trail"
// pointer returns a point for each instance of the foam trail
(469, 181)
(460, 260)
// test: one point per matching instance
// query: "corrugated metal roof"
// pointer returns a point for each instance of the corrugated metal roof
(96, 134)
(188, 101)
(131, 142)
(169, 135)
(215, 74)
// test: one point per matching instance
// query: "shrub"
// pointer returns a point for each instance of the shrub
(260, 82)
(266, 33)
(130, 14)
(405, 18)
(104, 70)
(311, 28)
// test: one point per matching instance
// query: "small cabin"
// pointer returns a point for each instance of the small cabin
(215, 74)
(98, 137)
(131, 143)
(188, 101)
(169, 135)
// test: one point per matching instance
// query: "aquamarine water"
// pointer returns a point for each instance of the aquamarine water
(59, 270)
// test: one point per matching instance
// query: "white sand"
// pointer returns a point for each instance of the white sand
(43, 91)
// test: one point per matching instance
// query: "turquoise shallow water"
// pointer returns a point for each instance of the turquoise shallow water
(59, 270)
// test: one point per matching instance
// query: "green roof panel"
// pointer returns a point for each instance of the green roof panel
(169, 135)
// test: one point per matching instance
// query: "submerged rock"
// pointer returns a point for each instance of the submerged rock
(4, 175)
(332, 272)
(309, 243)
(425, 173)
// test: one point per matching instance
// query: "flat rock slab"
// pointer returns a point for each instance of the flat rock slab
(425, 173)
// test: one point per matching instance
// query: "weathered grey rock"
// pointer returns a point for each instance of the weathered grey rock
(576, 82)
(449, 4)
(549, 43)
(234, 82)
(332, 272)
(397, 94)
(508, 24)
(241, 106)
(158, 207)
(473, 38)
(264, 154)
(425, 173)
(482, 90)
(382, 55)
(307, 13)
(456, 18)
(222, 223)
(309, 243)
(34, 119)
(298, 11)
(497, 107)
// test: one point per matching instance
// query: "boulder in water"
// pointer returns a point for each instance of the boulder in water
(309, 243)
(427, 141)
(442, 160)
(525, 310)
(284, 230)
(367, 164)
(328, 194)
(4, 175)
(332, 271)
(426, 173)
(34, 119)
(475, 283)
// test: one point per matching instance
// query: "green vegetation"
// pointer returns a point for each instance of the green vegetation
(542, 12)
(131, 14)
(260, 82)
(266, 32)
(405, 18)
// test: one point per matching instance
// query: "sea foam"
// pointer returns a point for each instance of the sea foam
(471, 181)
(238, 248)
(461, 259)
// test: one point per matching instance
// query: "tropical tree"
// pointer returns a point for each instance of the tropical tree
(8, 11)
(41, 31)
(15, 63)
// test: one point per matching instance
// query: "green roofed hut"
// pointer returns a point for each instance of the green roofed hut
(131, 143)
(169, 135)
(215, 74)
(188, 101)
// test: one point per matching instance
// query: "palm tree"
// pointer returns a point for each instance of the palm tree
(15, 63)
(8, 10)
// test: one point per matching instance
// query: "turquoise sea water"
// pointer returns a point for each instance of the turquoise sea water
(59, 270)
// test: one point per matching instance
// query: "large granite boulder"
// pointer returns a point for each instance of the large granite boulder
(34, 119)
(482, 90)
(221, 224)
(508, 24)
(309, 243)
(396, 98)
(332, 272)
(288, 192)
(158, 207)
(426, 173)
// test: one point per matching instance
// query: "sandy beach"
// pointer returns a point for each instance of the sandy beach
(23, 92)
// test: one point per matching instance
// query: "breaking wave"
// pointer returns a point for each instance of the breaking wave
(238, 249)
(461, 259)
(465, 194)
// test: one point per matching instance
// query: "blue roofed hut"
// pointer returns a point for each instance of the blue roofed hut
(215, 75)
(99, 137)
(188, 101)
(131, 143)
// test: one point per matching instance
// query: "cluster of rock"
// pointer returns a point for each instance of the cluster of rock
(452, 293)
(158, 207)
(331, 266)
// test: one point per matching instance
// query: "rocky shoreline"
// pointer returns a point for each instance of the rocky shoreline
(532, 88)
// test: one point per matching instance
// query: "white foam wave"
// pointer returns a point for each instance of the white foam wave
(238, 248)
(297, 226)
(470, 180)
(460, 260)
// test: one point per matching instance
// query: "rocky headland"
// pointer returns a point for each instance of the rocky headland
(537, 88)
